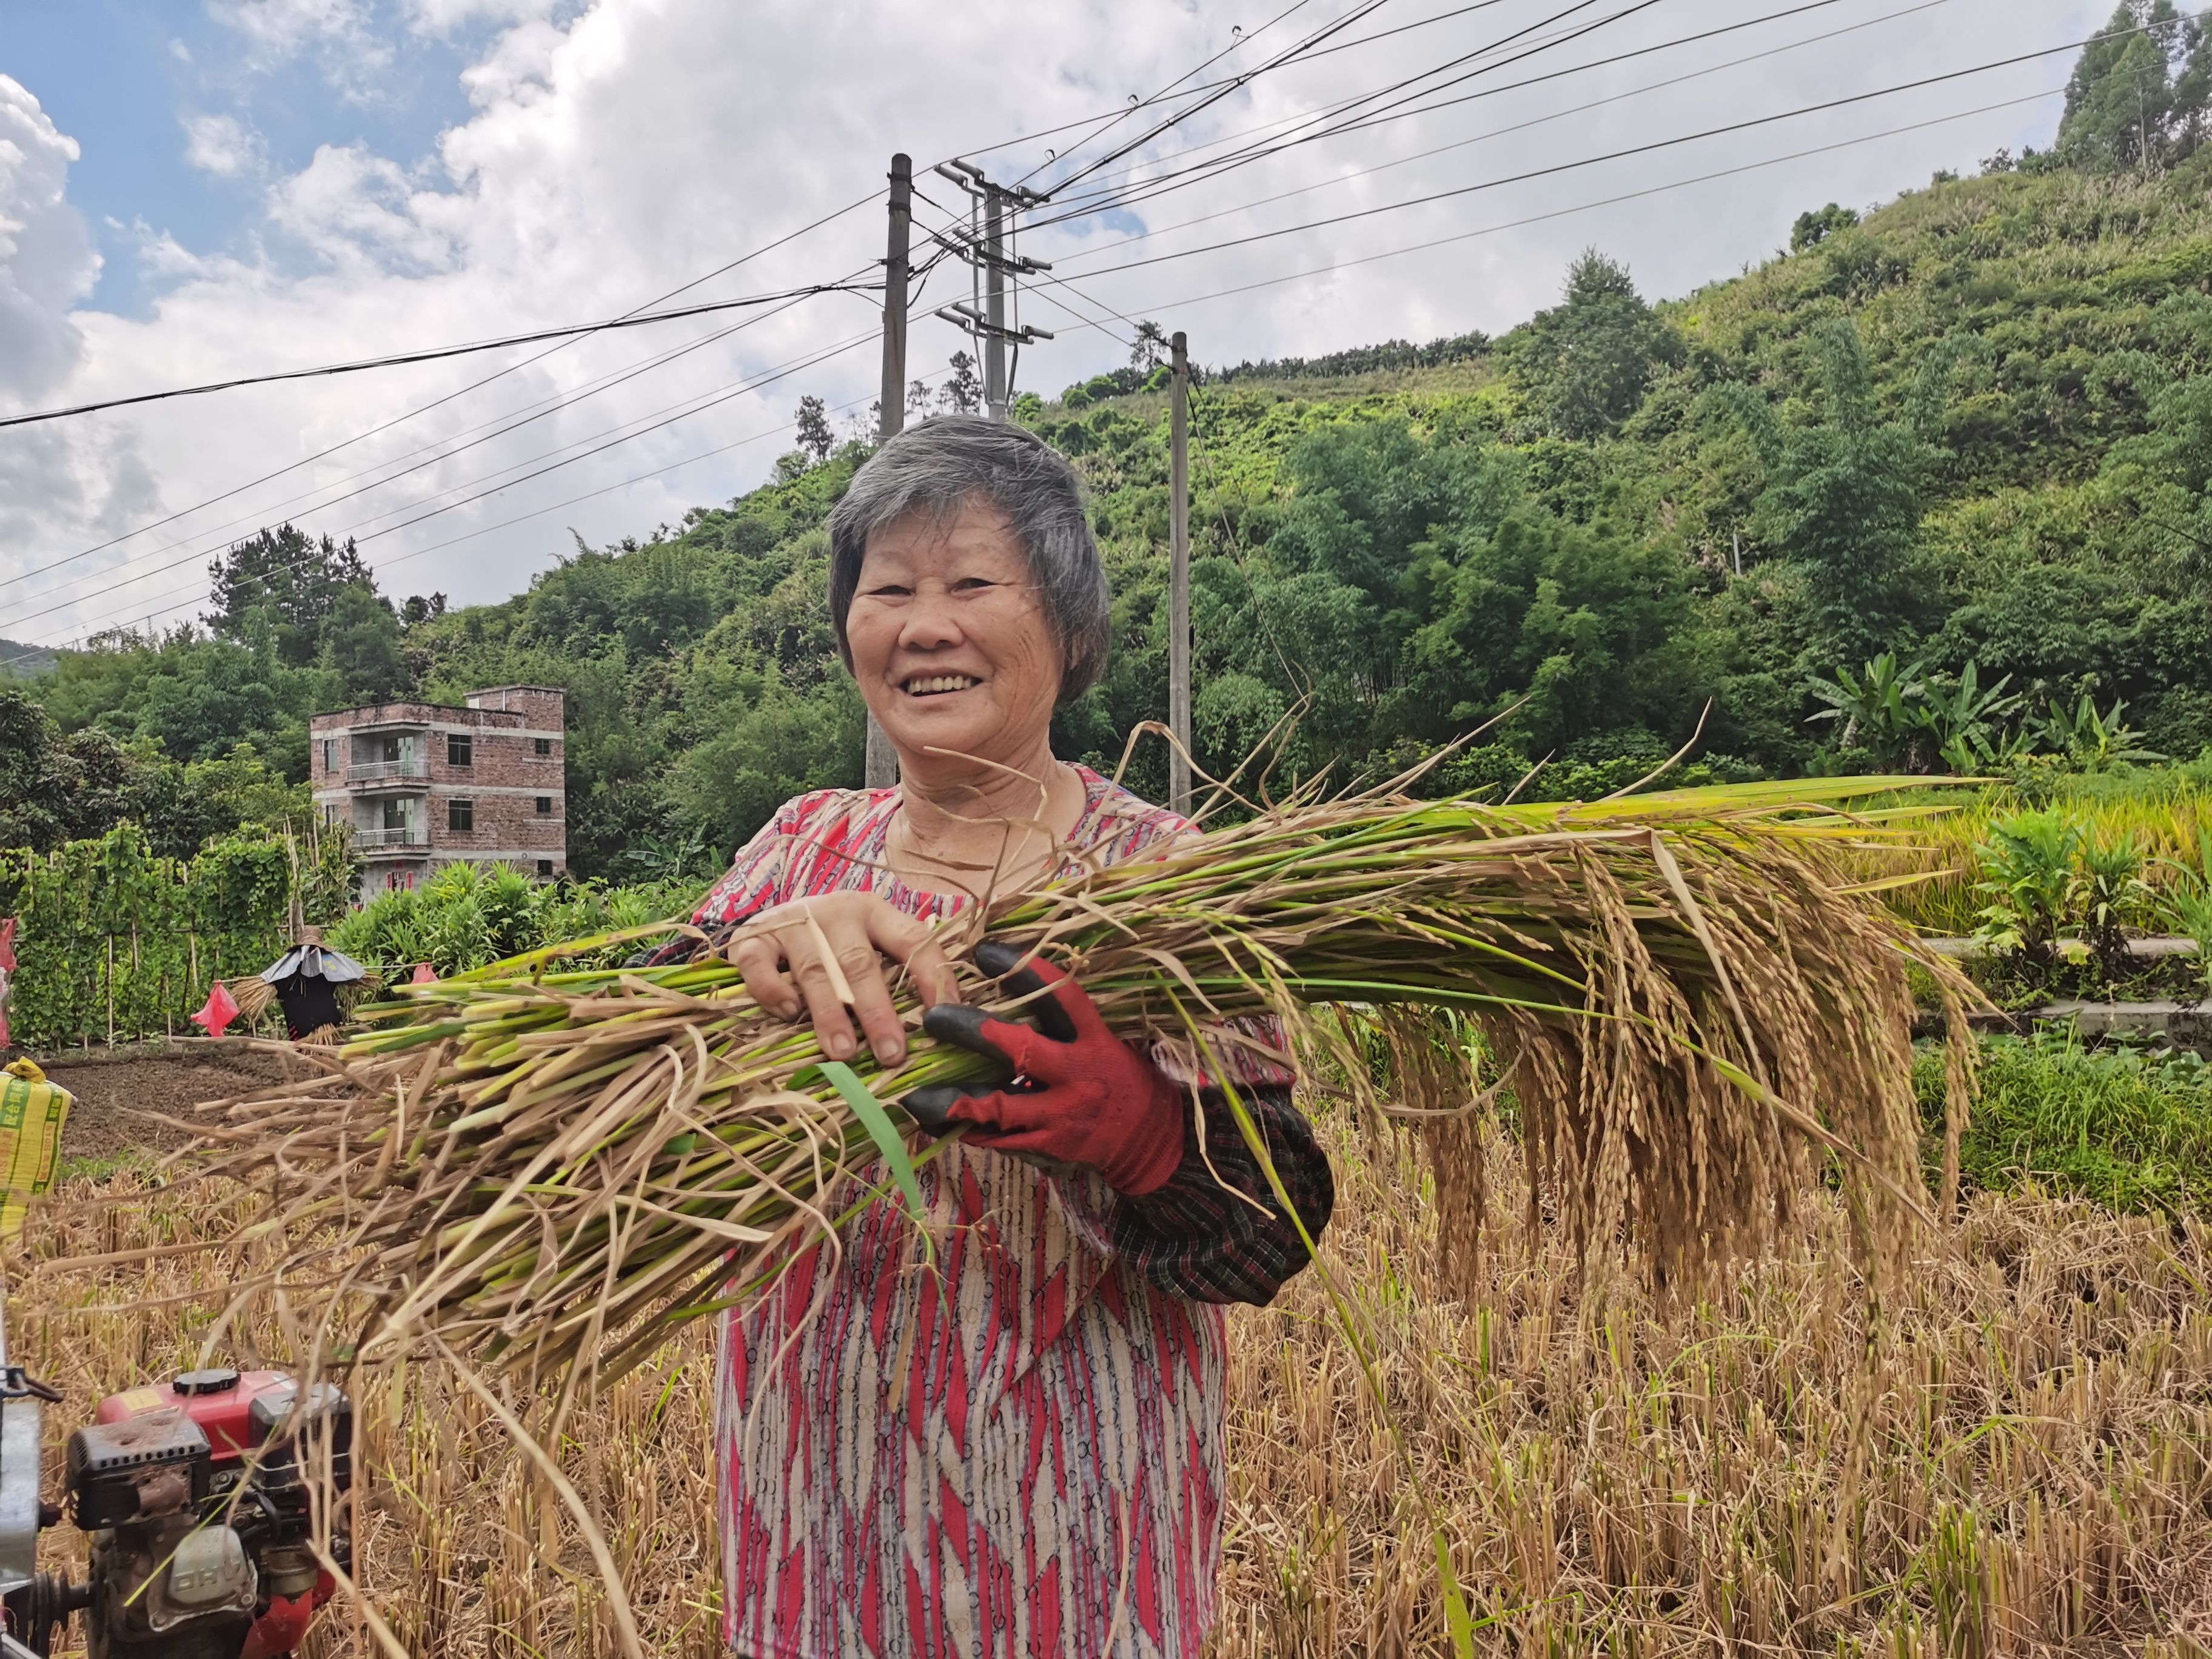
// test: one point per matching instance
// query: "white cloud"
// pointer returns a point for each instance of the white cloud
(615, 153)
(340, 34)
(443, 17)
(361, 210)
(76, 477)
(46, 257)
(222, 145)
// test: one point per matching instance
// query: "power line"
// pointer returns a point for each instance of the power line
(1246, 288)
(1219, 165)
(1115, 118)
(195, 593)
(1585, 207)
(474, 386)
(1522, 127)
(529, 413)
(1364, 9)
(433, 355)
(1101, 202)
(1558, 169)
(778, 374)
(1237, 241)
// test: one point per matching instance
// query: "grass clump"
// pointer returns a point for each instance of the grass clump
(2126, 1127)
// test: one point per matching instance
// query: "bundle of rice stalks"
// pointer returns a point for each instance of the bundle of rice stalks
(540, 1166)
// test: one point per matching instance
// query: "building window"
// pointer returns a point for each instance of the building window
(546, 806)
(329, 756)
(542, 747)
(460, 814)
(457, 744)
(545, 866)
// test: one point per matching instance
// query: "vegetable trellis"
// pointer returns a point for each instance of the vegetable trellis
(544, 1167)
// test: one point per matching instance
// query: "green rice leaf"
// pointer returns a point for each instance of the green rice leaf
(878, 1122)
(1456, 1617)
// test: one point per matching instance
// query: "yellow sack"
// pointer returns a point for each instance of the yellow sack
(32, 1113)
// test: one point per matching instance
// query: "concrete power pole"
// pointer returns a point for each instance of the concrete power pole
(1179, 575)
(994, 301)
(892, 413)
(984, 247)
(882, 765)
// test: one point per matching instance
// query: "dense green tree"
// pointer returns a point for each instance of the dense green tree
(291, 577)
(962, 394)
(362, 649)
(1842, 500)
(1585, 364)
(1816, 227)
(56, 786)
(816, 439)
(2136, 97)
(1582, 627)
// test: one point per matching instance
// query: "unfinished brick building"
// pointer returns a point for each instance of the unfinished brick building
(424, 784)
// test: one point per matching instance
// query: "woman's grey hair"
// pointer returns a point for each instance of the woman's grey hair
(936, 464)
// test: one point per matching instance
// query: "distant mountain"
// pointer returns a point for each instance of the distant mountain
(23, 661)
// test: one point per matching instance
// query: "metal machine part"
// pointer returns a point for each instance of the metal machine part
(21, 1424)
(201, 1497)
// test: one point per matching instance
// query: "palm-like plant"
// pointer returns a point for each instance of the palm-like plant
(2187, 898)
(2092, 740)
(2028, 877)
(1874, 710)
(2110, 889)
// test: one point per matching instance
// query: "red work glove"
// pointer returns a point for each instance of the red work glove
(1079, 1095)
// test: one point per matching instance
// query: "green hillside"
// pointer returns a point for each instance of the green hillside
(1972, 431)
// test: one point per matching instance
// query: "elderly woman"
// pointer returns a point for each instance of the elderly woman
(1018, 1448)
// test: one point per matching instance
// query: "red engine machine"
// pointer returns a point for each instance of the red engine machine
(197, 1496)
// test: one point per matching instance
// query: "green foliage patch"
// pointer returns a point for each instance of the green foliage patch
(2125, 1127)
(116, 942)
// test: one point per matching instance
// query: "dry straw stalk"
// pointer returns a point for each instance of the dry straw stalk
(542, 1166)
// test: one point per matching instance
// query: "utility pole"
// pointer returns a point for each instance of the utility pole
(994, 302)
(1179, 575)
(892, 411)
(881, 767)
(984, 247)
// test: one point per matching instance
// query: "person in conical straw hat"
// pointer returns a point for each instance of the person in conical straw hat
(1018, 1448)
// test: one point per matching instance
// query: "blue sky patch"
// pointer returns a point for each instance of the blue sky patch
(132, 81)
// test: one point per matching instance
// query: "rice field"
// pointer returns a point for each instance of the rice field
(2165, 810)
(2014, 1458)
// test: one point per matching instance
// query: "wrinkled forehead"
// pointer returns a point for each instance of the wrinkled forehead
(972, 532)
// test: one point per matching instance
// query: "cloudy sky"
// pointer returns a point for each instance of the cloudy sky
(195, 189)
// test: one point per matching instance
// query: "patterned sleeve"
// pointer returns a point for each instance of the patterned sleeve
(1193, 1239)
(754, 880)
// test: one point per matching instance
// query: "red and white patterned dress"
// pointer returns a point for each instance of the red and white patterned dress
(1019, 1452)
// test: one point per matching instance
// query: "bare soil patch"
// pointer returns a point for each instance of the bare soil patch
(143, 1101)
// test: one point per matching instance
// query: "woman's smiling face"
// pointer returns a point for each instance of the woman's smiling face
(950, 640)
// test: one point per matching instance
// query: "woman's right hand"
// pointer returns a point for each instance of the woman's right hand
(785, 954)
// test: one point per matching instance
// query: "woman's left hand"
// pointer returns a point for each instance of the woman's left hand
(1079, 1095)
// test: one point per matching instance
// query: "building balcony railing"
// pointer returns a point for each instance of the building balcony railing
(402, 839)
(417, 770)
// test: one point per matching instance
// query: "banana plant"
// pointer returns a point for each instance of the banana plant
(1875, 711)
(1963, 714)
(2109, 889)
(2091, 741)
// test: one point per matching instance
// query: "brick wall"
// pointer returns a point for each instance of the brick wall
(515, 758)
